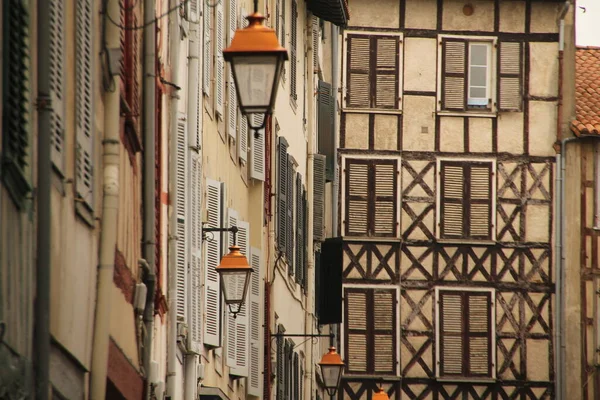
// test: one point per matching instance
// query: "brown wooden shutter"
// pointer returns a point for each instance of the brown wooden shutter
(452, 199)
(479, 333)
(386, 72)
(480, 200)
(299, 229)
(451, 333)
(296, 377)
(325, 118)
(294, 52)
(510, 80)
(358, 80)
(357, 197)
(280, 365)
(384, 207)
(384, 331)
(289, 237)
(454, 74)
(282, 196)
(356, 335)
(319, 198)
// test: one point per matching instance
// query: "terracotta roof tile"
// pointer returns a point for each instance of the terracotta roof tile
(587, 91)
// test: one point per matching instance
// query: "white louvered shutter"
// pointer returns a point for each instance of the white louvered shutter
(180, 204)
(57, 84)
(231, 350)
(240, 366)
(257, 165)
(243, 139)
(231, 94)
(84, 165)
(256, 359)
(212, 258)
(208, 51)
(193, 11)
(220, 62)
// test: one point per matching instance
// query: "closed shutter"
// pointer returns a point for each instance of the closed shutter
(277, 21)
(212, 298)
(195, 289)
(84, 164)
(465, 333)
(193, 11)
(296, 375)
(289, 243)
(181, 211)
(256, 361)
(219, 60)
(357, 197)
(243, 140)
(510, 80)
(280, 365)
(242, 321)
(282, 194)
(454, 73)
(294, 51)
(466, 200)
(232, 220)
(15, 99)
(325, 102)
(208, 51)
(319, 198)
(384, 206)
(299, 230)
(57, 84)
(315, 42)
(358, 82)
(231, 94)
(257, 166)
(370, 330)
(386, 72)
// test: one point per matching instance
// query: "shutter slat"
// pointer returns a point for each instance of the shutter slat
(290, 234)
(386, 80)
(196, 252)
(181, 168)
(255, 362)
(294, 51)
(454, 74)
(510, 77)
(212, 298)
(243, 140)
(208, 55)
(257, 167)
(451, 333)
(319, 197)
(57, 84)
(452, 197)
(359, 68)
(219, 61)
(282, 197)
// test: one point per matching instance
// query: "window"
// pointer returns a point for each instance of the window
(465, 328)
(370, 330)
(285, 203)
(372, 75)
(466, 200)
(468, 75)
(371, 197)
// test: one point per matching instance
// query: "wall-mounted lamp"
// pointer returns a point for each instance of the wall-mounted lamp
(234, 272)
(380, 395)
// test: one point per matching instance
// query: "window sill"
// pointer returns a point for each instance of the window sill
(371, 239)
(467, 241)
(464, 379)
(386, 378)
(480, 114)
(371, 111)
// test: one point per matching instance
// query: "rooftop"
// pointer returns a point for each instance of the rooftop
(587, 91)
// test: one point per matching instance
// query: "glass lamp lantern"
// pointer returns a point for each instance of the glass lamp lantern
(235, 278)
(331, 369)
(380, 395)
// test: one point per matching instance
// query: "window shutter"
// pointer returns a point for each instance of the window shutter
(280, 365)
(305, 240)
(454, 72)
(288, 368)
(319, 198)
(243, 140)
(325, 118)
(232, 220)
(195, 213)
(289, 236)
(356, 336)
(57, 84)
(510, 80)
(242, 332)
(452, 196)
(358, 83)
(480, 201)
(357, 197)
(277, 23)
(479, 333)
(212, 295)
(315, 42)
(84, 165)
(384, 331)
(15, 99)
(282, 194)
(208, 51)
(299, 230)
(255, 362)
(386, 72)
(233, 20)
(294, 51)
(296, 377)
(193, 10)
(232, 109)
(220, 62)
(257, 167)
(451, 328)
(180, 199)
(384, 208)
(243, 237)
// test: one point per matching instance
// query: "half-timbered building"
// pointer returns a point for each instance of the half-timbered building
(446, 168)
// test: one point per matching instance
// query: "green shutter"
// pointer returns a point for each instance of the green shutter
(282, 194)
(325, 117)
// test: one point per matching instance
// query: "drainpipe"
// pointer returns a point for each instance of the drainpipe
(149, 121)
(172, 262)
(191, 360)
(108, 222)
(42, 303)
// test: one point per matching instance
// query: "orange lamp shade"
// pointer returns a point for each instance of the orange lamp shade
(380, 395)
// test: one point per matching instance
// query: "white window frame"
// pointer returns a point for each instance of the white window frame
(492, 75)
(398, 318)
(438, 200)
(345, 72)
(492, 292)
(488, 76)
(398, 195)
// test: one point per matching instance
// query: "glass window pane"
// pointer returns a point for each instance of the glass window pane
(479, 54)
(477, 92)
(478, 76)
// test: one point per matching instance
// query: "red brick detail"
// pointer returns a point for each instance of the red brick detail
(123, 374)
(123, 278)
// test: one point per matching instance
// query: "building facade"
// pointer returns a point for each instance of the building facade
(447, 167)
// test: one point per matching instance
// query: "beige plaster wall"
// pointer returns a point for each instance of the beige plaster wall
(385, 12)
(482, 18)
(452, 134)
(418, 113)
(512, 16)
(420, 64)
(356, 131)
(543, 17)
(508, 124)
(421, 14)
(480, 135)
(386, 132)
(543, 78)
(542, 127)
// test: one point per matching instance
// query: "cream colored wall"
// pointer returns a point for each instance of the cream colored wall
(454, 19)
(385, 12)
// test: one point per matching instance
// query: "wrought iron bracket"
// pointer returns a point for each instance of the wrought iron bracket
(232, 229)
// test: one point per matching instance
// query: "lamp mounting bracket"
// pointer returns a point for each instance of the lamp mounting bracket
(232, 229)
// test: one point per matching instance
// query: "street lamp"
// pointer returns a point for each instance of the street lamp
(256, 59)
(331, 368)
(380, 395)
